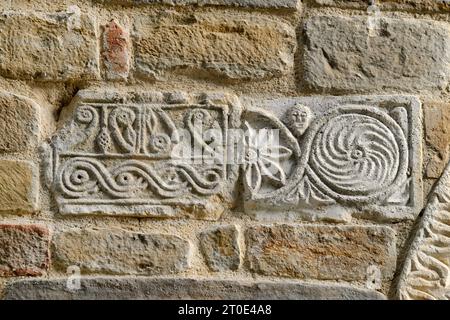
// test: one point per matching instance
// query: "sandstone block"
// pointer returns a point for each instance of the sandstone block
(51, 47)
(376, 53)
(148, 288)
(121, 252)
(435, 166)
(24, 250)
(18, 186)
(416, 5)
(220, 248)
(437, 131)
(272, 4)
(224, 46)
(321, 251)
(19, 123)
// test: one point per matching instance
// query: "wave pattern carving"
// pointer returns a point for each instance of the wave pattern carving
(81, 177)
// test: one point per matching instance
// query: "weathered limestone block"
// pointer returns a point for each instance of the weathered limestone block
(115, 51)
(121, 252)
(149, 155)
(227, 46)
(24, 250)
(376, 53)
(58, 46)
(220, 248)
(321, 251)
(148, 288)
(328, 158)
(272, 4)
(427, 266)
(18, 186)
(19, 123)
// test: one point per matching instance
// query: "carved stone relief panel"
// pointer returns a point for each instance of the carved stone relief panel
(132, 155)
(174, 154)
(426, 269)
(335, 157)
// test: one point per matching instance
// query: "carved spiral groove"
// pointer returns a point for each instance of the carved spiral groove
(82, 177)
(359, 155)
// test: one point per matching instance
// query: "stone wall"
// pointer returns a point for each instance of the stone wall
(318, 130)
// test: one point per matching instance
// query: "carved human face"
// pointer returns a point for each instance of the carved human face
(298, 119)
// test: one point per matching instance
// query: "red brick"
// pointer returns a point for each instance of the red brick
(24, 250)
(115, 51)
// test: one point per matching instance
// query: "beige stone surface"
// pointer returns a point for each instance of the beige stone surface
(104, 288)
(24, 250)
(121, 252)
(214, 45)
(18, 186)
(220, 248)
(437, 129)
(359, 53)
(275, 4)
(413, 5)
(437, 136)
(19, 123)
(57, 46)
(321, 251)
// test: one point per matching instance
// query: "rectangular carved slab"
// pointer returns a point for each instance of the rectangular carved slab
(120, 155)
(173, 154)
(334, 157)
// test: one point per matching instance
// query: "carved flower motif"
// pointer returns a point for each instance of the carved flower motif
(262, 157)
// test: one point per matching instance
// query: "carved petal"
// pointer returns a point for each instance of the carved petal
(272, 170)
(276, 152)
(253, 177)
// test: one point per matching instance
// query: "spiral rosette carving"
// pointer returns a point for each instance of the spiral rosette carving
(360, 154)
(86, 114)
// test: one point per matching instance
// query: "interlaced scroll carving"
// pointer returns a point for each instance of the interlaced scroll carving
(122, 158)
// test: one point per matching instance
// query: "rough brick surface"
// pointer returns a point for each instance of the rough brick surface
(59, 46)
(24, 250)
(121, 252)
(18, 186)
(357, 53)
(223, 46)
(147, 288)
(19, 123)
(320, 251)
